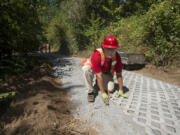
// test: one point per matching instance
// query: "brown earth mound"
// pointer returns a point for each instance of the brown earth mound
(41, 106)
(171, 76)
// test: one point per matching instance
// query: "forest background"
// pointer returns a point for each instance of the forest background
(151, 27)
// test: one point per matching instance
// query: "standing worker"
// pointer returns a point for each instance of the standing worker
(103, 63)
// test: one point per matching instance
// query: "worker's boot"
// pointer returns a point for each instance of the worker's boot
(90, 97)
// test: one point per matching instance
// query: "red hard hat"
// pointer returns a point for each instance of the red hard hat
(110, 42)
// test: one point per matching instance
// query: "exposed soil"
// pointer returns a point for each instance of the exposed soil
(41, 106)
(171, 76)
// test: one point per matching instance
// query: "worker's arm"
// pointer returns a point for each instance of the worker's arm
(100, 82)
(120, 80)
(101, 87)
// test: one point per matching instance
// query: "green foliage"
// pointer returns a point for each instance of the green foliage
(92, 32)
(14, 66)
(163, 26)
(20, 27)
(135, 7)
(56, 35)
(63, 31)
(150, 27)
(130, 33)
(5, 100)
(21, 32)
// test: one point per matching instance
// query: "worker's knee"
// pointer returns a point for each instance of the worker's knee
(87, 70)
(110, 86)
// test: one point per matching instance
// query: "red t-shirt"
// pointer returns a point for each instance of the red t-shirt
(96, 63)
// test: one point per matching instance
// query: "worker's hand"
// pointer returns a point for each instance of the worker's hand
(120, 93)
(105, 98)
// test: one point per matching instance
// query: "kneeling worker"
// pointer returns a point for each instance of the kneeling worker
(103, 63)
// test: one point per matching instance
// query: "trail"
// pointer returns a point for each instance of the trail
(153, 106)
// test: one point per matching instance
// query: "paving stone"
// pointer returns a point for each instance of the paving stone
(144, 101)
(177, 112)
(142, 120)
(178, 117)
(164, 102)
(134, 103)
(143, 105)
(132, 107)
(165, 106)
(172, 100)
(152, 93)
(161, 92)
(155, 112)
(155, 117)
(155, 124)
(154, 107)
(172, 97)
(135, 96)
(144, 91)
(135, 93)
(174, 104)
(170, 122)
(165, 110)
(142, 114)
(167, 115)
(143, 109)
(162, 98)
(176, 108)
(131, 111)
(156, 132)
(134, 100)
(124, 101)
(153, 99)
(122, 104)
(171, 129)
(154, 103)
(144, 98)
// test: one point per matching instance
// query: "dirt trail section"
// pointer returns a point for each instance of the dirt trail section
(41, 107)
(171, 76)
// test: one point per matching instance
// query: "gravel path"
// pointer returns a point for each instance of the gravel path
(153, 107)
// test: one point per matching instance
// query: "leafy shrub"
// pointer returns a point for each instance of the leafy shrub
(129, 32)
(5, 100)
(64, 32)
(151, 27)
(162, 22)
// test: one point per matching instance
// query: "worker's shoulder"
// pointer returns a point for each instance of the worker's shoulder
(118, 54)
(96, 55)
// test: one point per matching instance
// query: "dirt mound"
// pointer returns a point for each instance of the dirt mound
(171, 76)
(41, 106)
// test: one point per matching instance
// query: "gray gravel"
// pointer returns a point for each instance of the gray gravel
(153, 106)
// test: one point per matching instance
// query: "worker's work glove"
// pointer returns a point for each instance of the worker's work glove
(105, 98)
(120, 93)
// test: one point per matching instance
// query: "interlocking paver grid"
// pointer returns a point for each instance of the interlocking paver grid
(152, 103)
